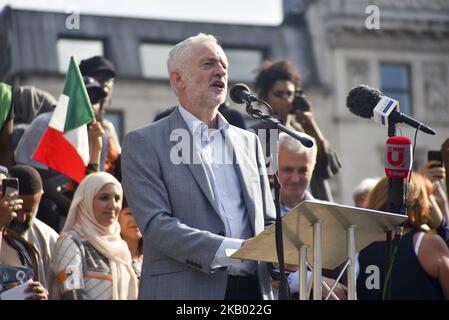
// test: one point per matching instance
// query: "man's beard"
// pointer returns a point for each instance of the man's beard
(200, 94)
(19, 227)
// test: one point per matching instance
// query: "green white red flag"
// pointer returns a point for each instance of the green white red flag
(65, 144)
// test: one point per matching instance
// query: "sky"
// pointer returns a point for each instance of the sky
(253, 12)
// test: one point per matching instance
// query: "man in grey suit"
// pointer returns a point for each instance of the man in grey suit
(198, 187)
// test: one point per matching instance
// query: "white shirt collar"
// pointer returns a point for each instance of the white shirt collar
(199, 129)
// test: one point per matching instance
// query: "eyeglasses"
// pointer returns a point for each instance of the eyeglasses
(280, 94)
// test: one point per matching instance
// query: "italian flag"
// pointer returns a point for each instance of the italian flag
(65, 144)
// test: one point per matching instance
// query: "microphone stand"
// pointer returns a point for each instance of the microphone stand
(396, 203)
(284, 291)
(275, 123)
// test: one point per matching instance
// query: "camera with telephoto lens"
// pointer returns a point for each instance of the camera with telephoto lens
(300, 102)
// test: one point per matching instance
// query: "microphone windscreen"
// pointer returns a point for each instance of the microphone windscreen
(362, 99)
(399, 140)
(236, 92)
(398, 157)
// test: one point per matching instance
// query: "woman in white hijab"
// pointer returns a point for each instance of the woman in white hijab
(91, 261)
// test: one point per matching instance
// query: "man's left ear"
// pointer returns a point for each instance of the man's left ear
(177, 80)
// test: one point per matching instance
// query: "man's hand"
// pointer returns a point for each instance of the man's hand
(37, 290)
(9, 206)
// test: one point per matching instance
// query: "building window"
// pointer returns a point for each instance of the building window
(153, 59)
(242, 62)
(395, 83)
(80, 48)
(116, 117)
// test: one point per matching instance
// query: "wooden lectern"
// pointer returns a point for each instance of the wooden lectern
(334, 233)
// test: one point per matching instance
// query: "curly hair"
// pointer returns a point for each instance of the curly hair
(272, 71)
(418, 202)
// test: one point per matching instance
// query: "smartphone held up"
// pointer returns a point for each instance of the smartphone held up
(434, 155)
(10, 185)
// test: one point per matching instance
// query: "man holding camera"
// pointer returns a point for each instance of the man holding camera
(278, 84)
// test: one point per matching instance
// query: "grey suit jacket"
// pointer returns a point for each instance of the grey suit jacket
(175, 208)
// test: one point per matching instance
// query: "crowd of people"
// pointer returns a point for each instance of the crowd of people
(158, 217)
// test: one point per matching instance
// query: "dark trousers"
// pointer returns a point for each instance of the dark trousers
(243, 288)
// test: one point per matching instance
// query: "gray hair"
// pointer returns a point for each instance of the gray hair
(294, 145)
(365, 186)
(180, 52)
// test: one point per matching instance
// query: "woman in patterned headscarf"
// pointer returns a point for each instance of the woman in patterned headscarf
(91, 261)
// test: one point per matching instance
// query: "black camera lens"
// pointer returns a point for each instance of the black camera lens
(300, 102)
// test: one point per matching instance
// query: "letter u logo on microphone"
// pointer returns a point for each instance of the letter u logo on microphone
(398, 157)
(395, 156)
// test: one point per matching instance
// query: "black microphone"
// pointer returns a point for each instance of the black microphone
(367, 102)
(240, 93)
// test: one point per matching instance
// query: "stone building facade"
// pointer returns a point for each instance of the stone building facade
(330, 41)
(413, 35)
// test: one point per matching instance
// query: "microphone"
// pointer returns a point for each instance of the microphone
(367, 102)
(398, 165)
(398, 157)
(240, 93)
